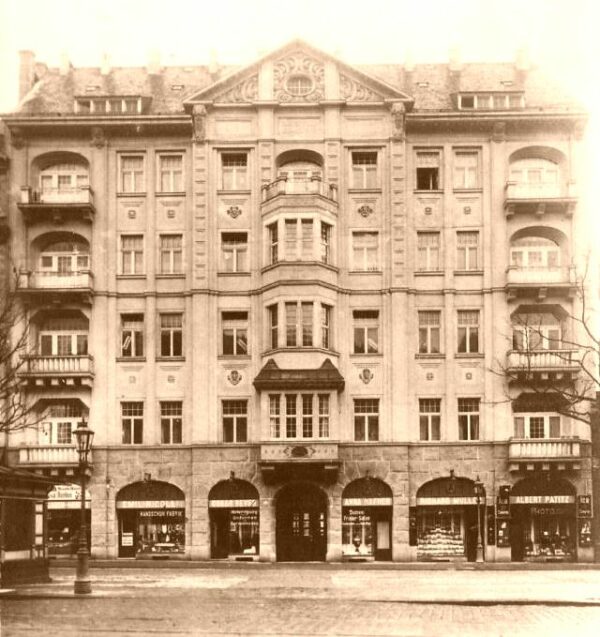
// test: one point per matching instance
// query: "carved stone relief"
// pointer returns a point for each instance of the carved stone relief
(354, 91)
(199, 120)
(244, 91)
(298, 64)
(398, 113)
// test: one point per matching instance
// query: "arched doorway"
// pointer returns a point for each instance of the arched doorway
(301, 527)
(234, 522)
(151, 517)
(367, 519)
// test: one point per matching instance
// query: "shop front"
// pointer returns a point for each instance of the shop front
(151, 519)
(444, 524)
(234, 520)
(543, 520)
(64, 518)
(366, 520)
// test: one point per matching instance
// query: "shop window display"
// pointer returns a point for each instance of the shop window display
(160, 532)
(547, 536)
(441, 534)
(357, 532)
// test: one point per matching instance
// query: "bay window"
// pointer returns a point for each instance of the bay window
(302, 239)
(306, 415)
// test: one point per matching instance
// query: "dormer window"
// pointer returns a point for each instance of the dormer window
(115, 105)
(506, 100)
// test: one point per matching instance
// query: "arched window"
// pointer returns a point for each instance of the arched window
(65, 257)
(63, 177)
(534, 253)
(535, 177)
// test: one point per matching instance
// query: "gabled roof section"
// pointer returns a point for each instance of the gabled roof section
(298, 58)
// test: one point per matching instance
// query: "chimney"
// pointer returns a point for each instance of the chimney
(454, 59)
(213, 65)
(105, 67)
(409, 62)
(154, 62)
(522, 62)
(26, 72)
(65, 64)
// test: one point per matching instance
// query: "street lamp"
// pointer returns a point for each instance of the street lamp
(479, 493)
(84, 436)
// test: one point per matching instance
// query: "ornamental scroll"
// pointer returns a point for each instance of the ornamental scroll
(303, 65)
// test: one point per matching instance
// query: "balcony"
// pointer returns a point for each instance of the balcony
(57, 287)
(539, 198)
(298, 193)
(543, 453)
(45, 455)
(546, 364)
(57, 204)
(540, 281)
(39, 372)
(299, 459)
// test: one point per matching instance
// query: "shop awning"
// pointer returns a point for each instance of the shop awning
(18, 483)
(272, 377)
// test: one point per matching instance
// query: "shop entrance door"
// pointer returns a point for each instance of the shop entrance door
(301, 524)
(127, 533)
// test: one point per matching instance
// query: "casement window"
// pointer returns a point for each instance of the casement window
(430, 418)
(306, 415)
(365, 251)
(59, 422)
(273, 312)
(171, 253)
(299, 324)
(234, 167)
(429, 332)
(325, 242)
(428, 251)
(537, 425)
(468, 418)
(467, 250)
(235, 333)
(170, 173)
(63, 179)
(171, 422)
(273, 243)
(326, 311)
(364, 170)
(132, 254)
(235, 420)
(366, 419)
(495, 101)
(132, 422)
(108, 106)
(131, 173)
(468, 331)
(428, 170)
(171, 335)
(366, 331)
(534, 253)
(466, 169)
(234, 250)
(299, 241)
(65, 258)
(535, 177)
(66, 336)
(132, 335)
(536, 332)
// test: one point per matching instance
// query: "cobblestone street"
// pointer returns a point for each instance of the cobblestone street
(309, 601)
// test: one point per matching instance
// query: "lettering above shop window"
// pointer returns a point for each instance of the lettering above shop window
(542, 499)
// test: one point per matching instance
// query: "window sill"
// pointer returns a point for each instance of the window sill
(125, 195)
(234, 357)
(131, 359)
(367, 442)
(364, 190)
(430, 356)
(363, 272)
(178, 275)
(368, 355)
(170, 359)
(468, 190)
(469, 355)
(468, 272)
(175, 193)
(233, 274)
(429, 273)
(131, 276)
(300, 264)
(428, 192)
(234, 192)
(287, 350)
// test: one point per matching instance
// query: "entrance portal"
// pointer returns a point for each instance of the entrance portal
(301, 533)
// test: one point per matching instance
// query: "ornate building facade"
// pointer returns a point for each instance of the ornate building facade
(301, 305)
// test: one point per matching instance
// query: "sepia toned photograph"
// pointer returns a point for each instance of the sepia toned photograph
(299, 328)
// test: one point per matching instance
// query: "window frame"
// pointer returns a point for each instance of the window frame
(368, 418)
(171, 331)
(171, 172)
(430, 409)
(364, 325)
(291, 416)
(547, 416)
(429, 256)
(231, 246)
(236, 325)
(469, 420)
(439, 178)
(365, 251)
(134, 342)
(124, 187)
(132, 424)
(465, 185)
(235, 417)
(362, 177)
(239, 178)
(172, 252)
(168, 422)
(132, 255)
(465, 251)
(429, 330)
(469, 330)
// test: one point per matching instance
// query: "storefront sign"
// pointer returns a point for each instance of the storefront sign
(503, 501)
(542, 499)
(127, 539)
(151, 504)
(355, 516)
(449, 501)
(153, 513)
(367, 502)
(244, 516)
(67, 492)
(584, 506)
(550, 510)
(232, 504)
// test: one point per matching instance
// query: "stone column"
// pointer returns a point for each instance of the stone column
(267, 530)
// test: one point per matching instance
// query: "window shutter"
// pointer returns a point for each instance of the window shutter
(520, 427)
(554, 426)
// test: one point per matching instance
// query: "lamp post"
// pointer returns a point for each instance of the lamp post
(84, 436)
(479, 493)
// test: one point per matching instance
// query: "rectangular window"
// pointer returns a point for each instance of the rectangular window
(290, 416)
(366, 419)
(467, 250)
(170, 173)
(291, 324)
(325, 242)
(306, 415)
(132, 173)
(428, 170)
(132, 422)
(537, 426)
(430, 418)
(235, 420)
(307, 324)
(366, 331)
(273, 312)
(132, 335)
(299, 324)
(468, 418)
(466, 169)
(234, 249)
(275, 415)
(235, 171)
(323, 415)
(235, 333)
(468, 331)
(171, 420)
(171, 335)
(132, 254)
(428, 251)
(534, 332)
(365, 251)
(273, 243)
(171, 253)
(325, 326)
(364, 170)
(298, 239)
(429, 332)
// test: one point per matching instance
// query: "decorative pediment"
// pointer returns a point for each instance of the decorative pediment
(352, 90)
(298, 77)
(244, 91)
